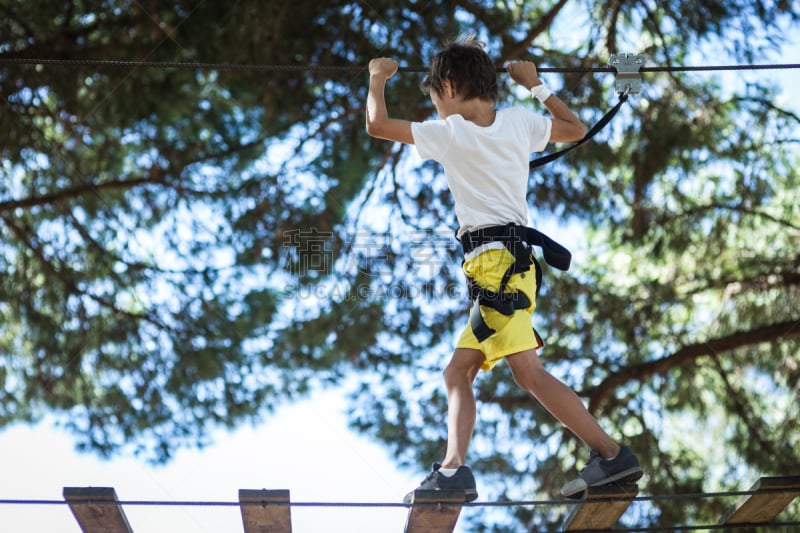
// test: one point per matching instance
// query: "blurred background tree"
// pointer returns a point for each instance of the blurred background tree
(187, 248)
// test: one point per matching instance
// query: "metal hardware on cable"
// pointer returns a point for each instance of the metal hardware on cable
(628, 82)
(628, 66)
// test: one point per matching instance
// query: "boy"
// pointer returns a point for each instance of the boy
(485, 154)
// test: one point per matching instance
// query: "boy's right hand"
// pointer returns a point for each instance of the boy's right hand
(382, 66)
(524, 73)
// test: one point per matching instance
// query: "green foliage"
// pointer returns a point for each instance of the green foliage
(184, 249)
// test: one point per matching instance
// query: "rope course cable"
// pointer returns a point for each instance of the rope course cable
(95, 501)
(780, 525)
(509, 503)
(707, 527)
(116, 63)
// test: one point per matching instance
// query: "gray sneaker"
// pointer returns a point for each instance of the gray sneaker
(461, 480)
(598, 471)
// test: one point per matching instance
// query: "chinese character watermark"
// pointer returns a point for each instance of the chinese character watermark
(385, 266)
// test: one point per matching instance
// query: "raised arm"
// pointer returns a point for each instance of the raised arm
(378, 122)
(566, 126)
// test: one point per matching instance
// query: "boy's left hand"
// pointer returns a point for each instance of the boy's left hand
(382, 66)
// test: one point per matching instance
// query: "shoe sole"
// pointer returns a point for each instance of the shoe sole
(630, 475)
(469, 496)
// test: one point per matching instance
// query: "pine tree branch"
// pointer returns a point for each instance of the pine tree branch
(534, 32)
(611, 25)
(697, 211)
(745, 411)
(76, 192)
(770, 105)
(600, 395)
(65, 274)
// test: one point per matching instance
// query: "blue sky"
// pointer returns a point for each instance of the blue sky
(305, 448)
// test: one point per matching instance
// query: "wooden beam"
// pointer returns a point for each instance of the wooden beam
(265, 511)
(434, 511)
(602, 508)
(773, 495)
(97, 510)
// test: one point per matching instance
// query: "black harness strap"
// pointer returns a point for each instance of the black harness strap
(515, 235)
(518, 240)
(504, 302)
(539, 161)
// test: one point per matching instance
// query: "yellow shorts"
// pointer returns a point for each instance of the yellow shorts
(514, 333)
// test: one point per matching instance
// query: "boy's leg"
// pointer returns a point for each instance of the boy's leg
(561, 401)
(608, 461)
(458, 378)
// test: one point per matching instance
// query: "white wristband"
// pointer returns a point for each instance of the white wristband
(541, 92)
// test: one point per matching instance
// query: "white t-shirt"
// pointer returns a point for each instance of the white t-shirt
(486, 167)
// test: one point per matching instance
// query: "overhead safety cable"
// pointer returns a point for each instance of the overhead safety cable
(116, 63)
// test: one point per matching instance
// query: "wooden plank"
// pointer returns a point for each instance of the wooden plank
(602, 508)
(774, 494)
(96, 511)
(434, 511)
(265, 511)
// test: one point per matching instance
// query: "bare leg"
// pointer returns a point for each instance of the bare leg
(458, 377)
(561, 401)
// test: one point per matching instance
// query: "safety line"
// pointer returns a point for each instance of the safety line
(114, 63)
(706, 527)
(510, 503)
(628, 529)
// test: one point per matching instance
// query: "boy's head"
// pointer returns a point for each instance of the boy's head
(467, 67)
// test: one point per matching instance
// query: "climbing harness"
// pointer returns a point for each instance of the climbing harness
(519, 239)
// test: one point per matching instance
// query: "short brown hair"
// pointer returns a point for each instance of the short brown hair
(468, 68)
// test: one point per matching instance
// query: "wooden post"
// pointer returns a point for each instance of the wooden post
(97, 510)
(774, 494)
(602, 508)
(434, 511)
(265, 511)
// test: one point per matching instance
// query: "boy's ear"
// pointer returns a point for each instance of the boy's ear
(449, 88)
